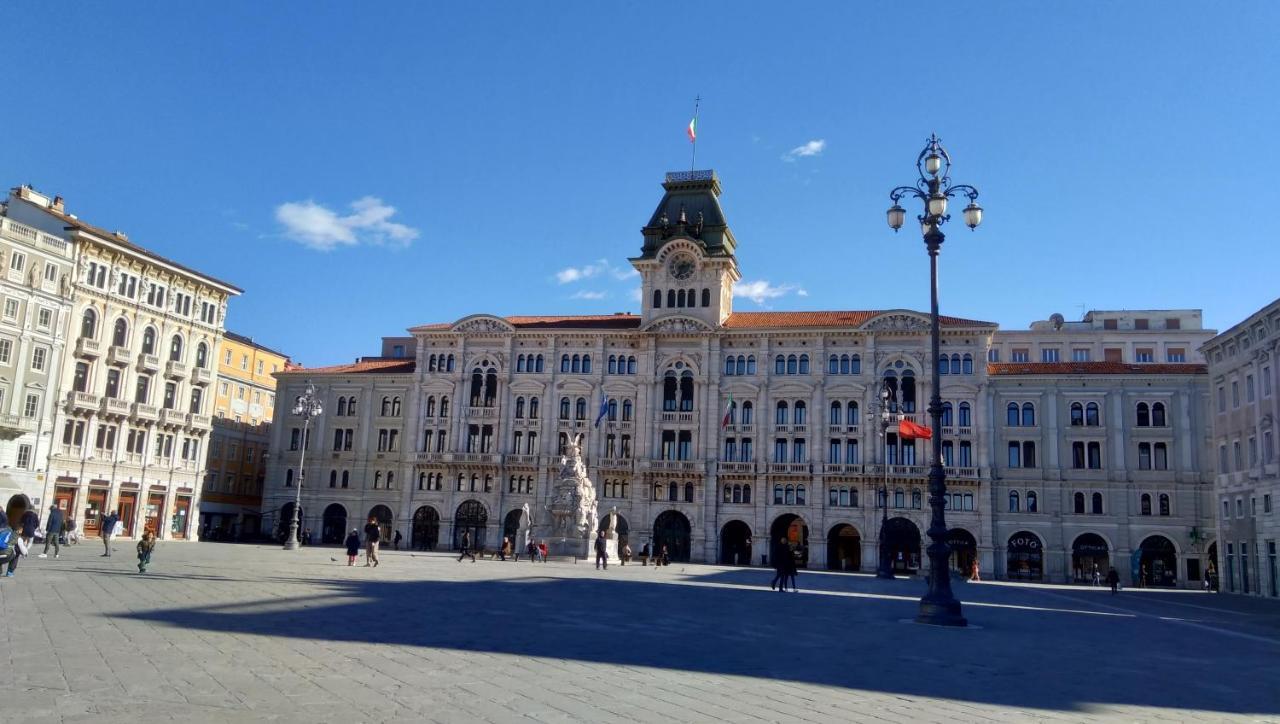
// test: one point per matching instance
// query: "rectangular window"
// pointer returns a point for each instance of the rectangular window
(1079, 355)
(1248, 388)
(1266, 503)
(1020, 355)
(1253, 451)
(11, 309)
(1222, 399)
(1266, 381)
(1268, 447)
(24, 457)
(1222, 459)
(38, 355)
(1144, 354)
(1110, 324)
(1141, 324)
(50, 272)
(1235, 394)
(6, 351)
(32, 406)
(1113, 354)
(44, 318)
(1049, 354)
(17, 262)
(1175, 354)
(993, 355)
(1172, 323)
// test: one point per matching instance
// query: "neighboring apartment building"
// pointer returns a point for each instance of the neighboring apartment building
(133, 415)
(35, 274)
(243, 407)
(457, 427)
(1243, 377)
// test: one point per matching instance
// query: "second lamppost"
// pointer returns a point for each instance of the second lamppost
(939, 606)
(307, 406)
(888, 412)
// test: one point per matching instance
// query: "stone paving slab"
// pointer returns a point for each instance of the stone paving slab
(246, 633)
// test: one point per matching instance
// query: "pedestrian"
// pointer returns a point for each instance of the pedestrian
(625, 554)
(1142, 581)
(353, 546)
(663, 557)
(505, 550)
(1113, 580)
(1097, 575)
(73, 538)
(53, 529)
(532, 550)
(465, 547)
(973, 571)
(306, 536)
(644, 554)
(30, 524)
(602, 551)
(108, 530)
(145, 547)
(395, 543)
(542, 551)
(1208, 578)
(372, 534)
(777, 553)
(8, 545)
(791, 570)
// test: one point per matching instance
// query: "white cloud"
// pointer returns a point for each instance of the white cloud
(762, 291)
(322, 229)
(812, 148)
(600, 267)
(587, 294)
(634, 294)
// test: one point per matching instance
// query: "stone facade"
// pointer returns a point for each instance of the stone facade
(1245, 407)
(713, 431)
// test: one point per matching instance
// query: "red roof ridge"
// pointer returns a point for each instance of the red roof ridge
(1096, 368)
(364, 365)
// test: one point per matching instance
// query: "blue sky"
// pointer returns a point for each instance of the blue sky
(359, 168)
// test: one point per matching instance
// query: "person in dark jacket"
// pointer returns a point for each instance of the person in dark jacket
(778, 554)
(1113, 580)
(602, 551)
(30, 523)
(372, 534)
(52, 530)
(145, 548)
(8, 547)
(353, 546)
(465, 547)
(108, 529)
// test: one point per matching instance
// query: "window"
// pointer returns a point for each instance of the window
(1113, 354)
(1014, 505)
(44, 318)
(24, 457)
(1080, 355)
(1049, 354)
(1096, 506)
(17, 261)
(1235, 393)
(1222, 399)
(1175, 354)
(38, 356)
(6, 351)
(1143, 415)
(1110, 324)
(1172, 323)
(1095, 456)
(993, 355)
(1143, 354)
(1164, 504)
(1020, 355)
(11, 309)
(1141, 324)
(1145, 504)
(1144, 456)
(1033, 502)
(1248, 388)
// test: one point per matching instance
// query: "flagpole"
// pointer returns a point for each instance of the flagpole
(693, 156)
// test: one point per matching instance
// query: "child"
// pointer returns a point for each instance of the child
(353, 546)
(145, 546)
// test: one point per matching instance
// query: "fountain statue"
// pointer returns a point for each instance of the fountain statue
(571, 516)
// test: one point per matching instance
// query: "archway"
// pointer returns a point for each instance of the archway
(902, 539)
(796, 532)
(1025, 557)
(844, 548)
(17, 505)
(623, 531)
(735, 544)
(511, 529)
(426, 528)
(1158, 562)
(1090, 554)
(333, 526)
(382, 514)
(286, 517)
(671, 529)
(964, 550)
(472, 518)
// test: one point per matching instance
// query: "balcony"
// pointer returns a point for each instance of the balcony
(111, 407)
(118, 356)
(148, 363)
(739, 429)
(685, 466)
(790, 468)
(963, 473)
(571, 425)
(732, 468)
(13, 426)
(842, 469)
(82, 402)
(614, 463)
(429, 457)
(199, 421)
(175, 369)
(472, 457)
(86, 347)
(145, 412)
(484, 413)
(523, 460)
(677, 417)
(172, 418)
(202, 376)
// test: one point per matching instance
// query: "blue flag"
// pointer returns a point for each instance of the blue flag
(604, 409)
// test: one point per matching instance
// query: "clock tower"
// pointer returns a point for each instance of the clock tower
(687, 264)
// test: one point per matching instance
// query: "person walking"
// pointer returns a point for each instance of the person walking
(505, 550)
(372, 534)
(1113, 580)
(8, 545)
(30, 524)
(465, 547)
(395, 542)
(664, 557)
(73, 538)
(1097, 575)
(778, 553)
(108, 530)
(644, 554)
(353, 546)
(602, 551)
(625, 554)
(145, 547)
(973, 571)
(790, 569)
(532, 550)
(52, 530)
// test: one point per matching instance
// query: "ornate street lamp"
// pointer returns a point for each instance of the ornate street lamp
(938, 606)
(307, 406)
(888, 410)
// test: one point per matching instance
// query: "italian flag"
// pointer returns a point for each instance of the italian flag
(692, 130)
(728, 412)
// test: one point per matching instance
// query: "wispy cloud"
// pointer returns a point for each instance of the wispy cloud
(323, 229)
(634, 294)
(761, 291)
(598, 268)
(812, 148)
(587, 294)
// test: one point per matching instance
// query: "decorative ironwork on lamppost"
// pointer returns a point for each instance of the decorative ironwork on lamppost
(888, 411)
(306, 406)
(934, 187)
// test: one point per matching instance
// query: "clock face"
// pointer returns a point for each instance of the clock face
(682, 267)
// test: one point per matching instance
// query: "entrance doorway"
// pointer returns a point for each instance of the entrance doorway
(844, 548)
(128, 509)
(796, 532)
(511, 529)
(672, 529)
(623, 530)
(1025, 558)
(1158, 562)
(735, 544)
(426, 528)
(472, 518)
(64, 499)
(1089, 553)
(155, 509)
(964, 551)
(333, 525)
(382, 514)
(93, 511)
(181, 519)
(902, 538)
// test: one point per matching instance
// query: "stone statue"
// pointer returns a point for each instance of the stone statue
(572, 512)
(523, 532)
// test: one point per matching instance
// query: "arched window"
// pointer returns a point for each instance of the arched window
(538, 365)
(779, 365)
(520, 363)
(346, 478)
(670, 389)
(686, 392)
(673, 492)
(288, 478)
(564, 408)
(519, 407)
(89, 324)
(1077, 414)
(777, 495)
(908, 391)
(729, 365)
(790, 498)
(385, 409)
(915, 499)
(342, 406)
(657, 299)
(747, 410)
(586, 363)
(1028, 414)
(1091, 414)
(564, 363)
(965, 415)
(1011, 415)
(800, 495)
(1078, 503)
(852, 417)
(631, 365)
(833, 365)
(175, 348)
(533, 409)
(746, 493)
(740, 365)
(1097, 503)
(1157, 415)
(1160, 460)
(430, 409)
(751, 364)
(626, 410)
(780, 416)
(728, 494)
(855, 365)
(706, 297)
(202, 355)
(671, 297)
(837, 414)
(800, 416)
(688, 492)
(947, 414)
(577, 363)
(804, 364)
(1014, 507)
(955, 364)
(1146, 504)
(844, 364)
(943, 366)
(612, 411)
(120, 335)
(899, 498)
(580, 409)
(1144, 456)
(333, 478)
(1033, 501)
(793, 364)
(1164, 504)
(680, 300)
(967, 362)
(1144, 415)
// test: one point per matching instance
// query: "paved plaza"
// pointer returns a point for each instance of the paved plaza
(244, 633)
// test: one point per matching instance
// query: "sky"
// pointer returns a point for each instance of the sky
(360, 168)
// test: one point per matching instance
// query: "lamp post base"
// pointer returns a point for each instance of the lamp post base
(292, 543)
(941, 613)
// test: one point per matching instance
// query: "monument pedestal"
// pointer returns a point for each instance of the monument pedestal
(575, 547)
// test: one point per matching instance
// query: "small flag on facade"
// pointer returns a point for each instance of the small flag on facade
(604, 409)
(728, 412)
(909, 430)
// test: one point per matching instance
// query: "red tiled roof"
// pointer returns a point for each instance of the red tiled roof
(589, 321)
(1093, 368)
(365, 365)
(737, 320)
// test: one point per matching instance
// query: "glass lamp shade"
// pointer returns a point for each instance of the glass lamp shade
(932, 163)
(937, 205)
(972, 215)
(896, 216)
